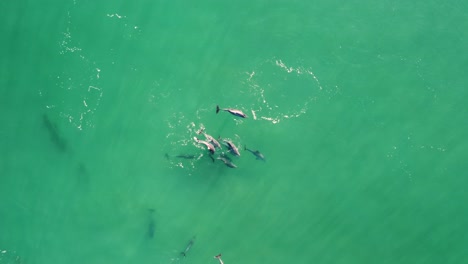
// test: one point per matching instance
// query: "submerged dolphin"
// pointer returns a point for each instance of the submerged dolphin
(151, 224)
(232, 111)
(219, 258)
(227, 162)
(182, 156)
(234, 150)
(58, 141)
(188, 247)
(224, 155)
(208, 145)
(186, 156)
(256, 153)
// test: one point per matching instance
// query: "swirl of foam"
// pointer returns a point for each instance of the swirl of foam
(281, 91)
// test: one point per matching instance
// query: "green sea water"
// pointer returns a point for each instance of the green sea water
(359, 107)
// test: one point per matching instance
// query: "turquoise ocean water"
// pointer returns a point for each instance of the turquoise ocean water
(360, 108)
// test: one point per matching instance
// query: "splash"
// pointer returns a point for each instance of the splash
(116, 15)
(8, 256)
(180, 142)
(80, 88)
(400, 153)
(282, 91)
(300, 70)
(66, 44)
(130, 30)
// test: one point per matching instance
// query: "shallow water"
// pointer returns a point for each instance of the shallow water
(359, 108)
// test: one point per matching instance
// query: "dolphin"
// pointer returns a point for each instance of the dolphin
(256, 153)
(58, 141)
(208, 145)
(232, 111)
(151, 224)
(234, 150)
(219, 258)
(227, 162)
(212, 140)
(209, 138)
(182, 156)
(224, 155)
(186, 156)
(211, 157)
(188, 247)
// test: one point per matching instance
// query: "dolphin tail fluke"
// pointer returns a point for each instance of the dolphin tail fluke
(218, 256)
(183, 254)
(166, 156)
(245, 147)
(217, 108)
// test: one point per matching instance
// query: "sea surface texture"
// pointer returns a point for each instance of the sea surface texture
(359, 109)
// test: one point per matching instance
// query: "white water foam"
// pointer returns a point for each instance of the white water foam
(292, 103)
